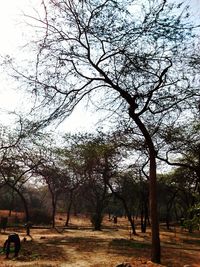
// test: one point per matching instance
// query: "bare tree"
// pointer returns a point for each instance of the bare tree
(93, 155)
(71, 174)
(131, 54)
(181, 148)
(15, 172)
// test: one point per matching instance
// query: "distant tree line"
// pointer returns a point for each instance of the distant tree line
(90, 174)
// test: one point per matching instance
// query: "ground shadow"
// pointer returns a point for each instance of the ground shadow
(35, 250)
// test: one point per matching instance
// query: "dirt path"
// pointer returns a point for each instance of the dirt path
(87, 248)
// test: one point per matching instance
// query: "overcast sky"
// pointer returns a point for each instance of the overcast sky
(13, 35)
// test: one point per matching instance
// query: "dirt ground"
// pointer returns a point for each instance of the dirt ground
(80, 246)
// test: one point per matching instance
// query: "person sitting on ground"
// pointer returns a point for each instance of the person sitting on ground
(12, 238)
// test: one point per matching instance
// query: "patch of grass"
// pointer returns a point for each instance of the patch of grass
(12, 249)
(33, 250)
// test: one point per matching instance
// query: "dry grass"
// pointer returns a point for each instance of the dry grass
(109, 247)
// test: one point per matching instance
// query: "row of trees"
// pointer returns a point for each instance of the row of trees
(139, 59)
(91, 174)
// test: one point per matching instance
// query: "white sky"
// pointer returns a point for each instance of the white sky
(12, 36)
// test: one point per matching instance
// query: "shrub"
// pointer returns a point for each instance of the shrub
(38, 216)
(96, 220)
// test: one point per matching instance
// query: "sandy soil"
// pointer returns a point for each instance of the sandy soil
(80, 246)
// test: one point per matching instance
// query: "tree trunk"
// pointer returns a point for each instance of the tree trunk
(97, 221)
(143, 220)
(11, 203)
(127, 212)
(75, 208)
(168, 220)
(69, 208)
(53, 202)
(155, 251)
(53, 211)
(144, 213)
(131, 220)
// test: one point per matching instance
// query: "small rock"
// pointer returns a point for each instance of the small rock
(124, 264)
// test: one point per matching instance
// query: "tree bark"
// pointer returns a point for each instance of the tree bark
(53, 202)
(144, 217)
(53, 211)
(69, 208)
(131, 220)
(156, 251)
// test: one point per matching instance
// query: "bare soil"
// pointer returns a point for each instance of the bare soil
(80, 246)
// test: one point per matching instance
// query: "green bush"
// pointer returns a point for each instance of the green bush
(193, 223)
